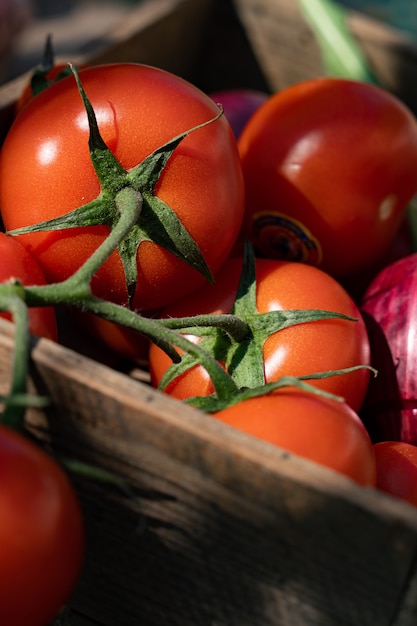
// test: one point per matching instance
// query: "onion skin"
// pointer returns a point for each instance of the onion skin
(389, 306)
(238, 105)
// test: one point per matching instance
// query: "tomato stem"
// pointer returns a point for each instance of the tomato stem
(17, 400)
(78, 285)
(165, 338)
(233, 325)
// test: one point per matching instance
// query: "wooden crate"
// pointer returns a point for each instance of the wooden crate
(223, 530)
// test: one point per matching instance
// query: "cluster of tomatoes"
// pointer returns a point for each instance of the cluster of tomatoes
(318, 179)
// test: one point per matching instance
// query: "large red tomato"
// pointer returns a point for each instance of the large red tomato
(302, 349)
(45, 171)
(17, 262)
(330, 166)
(41, 534)
(323, 430)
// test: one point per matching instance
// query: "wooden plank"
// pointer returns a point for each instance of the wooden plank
(407, 611)
(246, 528)
(287, 51)
(164, 33)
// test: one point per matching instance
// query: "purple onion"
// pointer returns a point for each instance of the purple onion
(389, 306)
(238, 105)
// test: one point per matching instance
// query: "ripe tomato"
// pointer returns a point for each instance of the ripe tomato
(320, 429)
(41, 533)
(57, 72)
(43, 76)
(303, 349)
(396, 466)
(46, 171)
(330, 166)
(17, 262)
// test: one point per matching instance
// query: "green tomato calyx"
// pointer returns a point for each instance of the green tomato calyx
(237, 340)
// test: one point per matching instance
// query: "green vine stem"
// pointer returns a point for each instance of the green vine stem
(78, 285)
(18, 400)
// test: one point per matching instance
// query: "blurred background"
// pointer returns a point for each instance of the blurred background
(401, 14)
(24, 25)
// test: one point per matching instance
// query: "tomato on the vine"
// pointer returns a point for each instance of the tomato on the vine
(320, 429)
(328, 344)
(396, 464)
(57, 72)
(330, 165)
(17, 262)
(41, 533)
(46, 171)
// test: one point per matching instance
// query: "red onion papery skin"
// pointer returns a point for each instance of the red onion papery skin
(238, 105)
(389, 306)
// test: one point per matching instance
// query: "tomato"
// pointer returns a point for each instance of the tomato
(323, 430)
(330, 166)
(396, 464)
(57, 72)
(45, 171)
(298, 350)
(41, 533)
(18, 262)
(43, 76)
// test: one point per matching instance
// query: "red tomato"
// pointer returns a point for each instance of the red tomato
(303, 349)
(396, 466)
(17, 262)
(325, 431)
(330, 166)
(41, 533)
(46, 171)
(57, 72)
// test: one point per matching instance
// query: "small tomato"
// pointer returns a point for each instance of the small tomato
(302, 349)
(396, 466)
(18, 262)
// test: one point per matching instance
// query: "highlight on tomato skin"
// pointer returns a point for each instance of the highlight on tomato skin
(330, 166)
(322, 430)
(396, 465)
